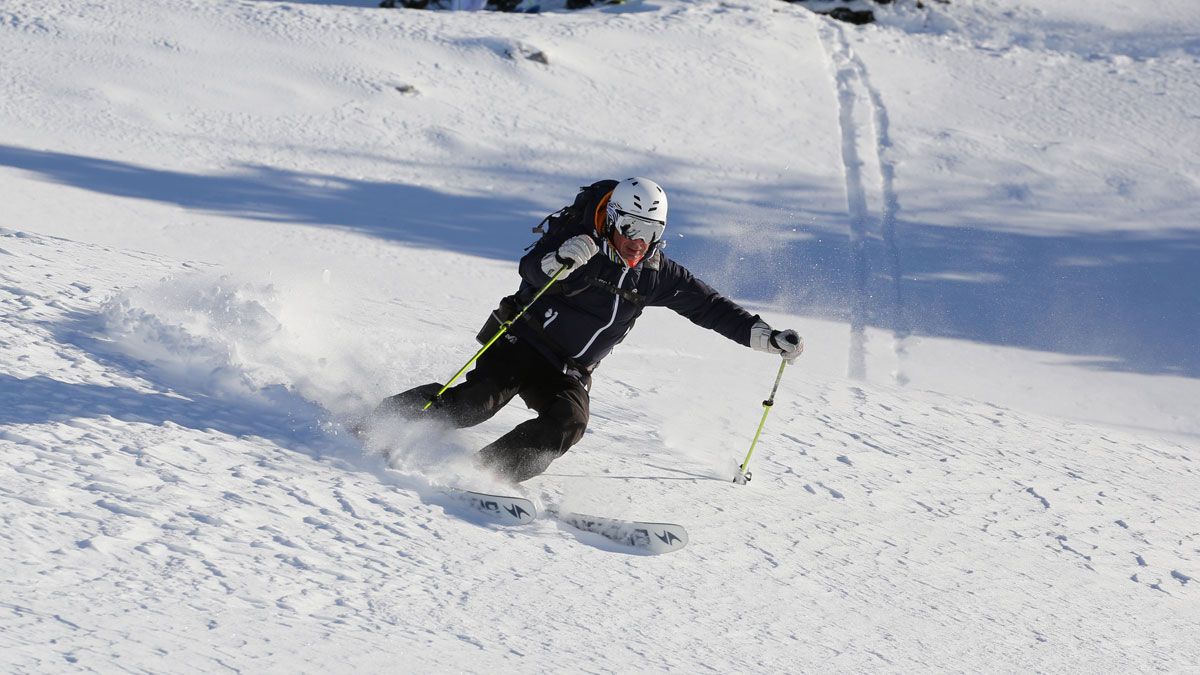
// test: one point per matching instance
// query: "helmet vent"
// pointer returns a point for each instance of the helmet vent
(640, 196)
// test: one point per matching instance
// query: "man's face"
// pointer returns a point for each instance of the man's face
(633, 235)
(631, 250)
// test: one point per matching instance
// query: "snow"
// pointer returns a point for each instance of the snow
(228, 228)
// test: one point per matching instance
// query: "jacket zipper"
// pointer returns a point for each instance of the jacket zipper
(611, 320)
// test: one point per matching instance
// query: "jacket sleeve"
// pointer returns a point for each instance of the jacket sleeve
(531, 263)
(690, 297)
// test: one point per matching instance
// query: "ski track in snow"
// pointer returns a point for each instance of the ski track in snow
(865, 144)
(856, 198)
(181, 527)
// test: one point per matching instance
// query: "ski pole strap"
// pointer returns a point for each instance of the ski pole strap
(767, 404)
(503, 329)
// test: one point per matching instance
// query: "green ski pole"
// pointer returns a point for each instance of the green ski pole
(503, 329)
(743, 476)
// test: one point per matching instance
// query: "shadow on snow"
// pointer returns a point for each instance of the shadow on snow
(40, 399)
(484, 225)
(1120, 300)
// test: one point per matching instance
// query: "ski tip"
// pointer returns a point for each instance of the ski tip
(667, 538)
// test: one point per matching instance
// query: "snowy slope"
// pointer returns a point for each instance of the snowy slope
(909, 179)
(226, 233)
(901, 531)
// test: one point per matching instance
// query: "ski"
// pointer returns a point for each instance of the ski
(655, 538)
(503, 509)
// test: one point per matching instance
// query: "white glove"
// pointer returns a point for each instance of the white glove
(787, 343)
(574, 253)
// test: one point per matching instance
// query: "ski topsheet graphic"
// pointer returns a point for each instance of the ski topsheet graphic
(649, 537)
(501, 508)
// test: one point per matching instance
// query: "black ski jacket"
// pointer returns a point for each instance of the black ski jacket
(579, 320)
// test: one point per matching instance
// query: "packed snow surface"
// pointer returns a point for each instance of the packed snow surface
(229, 227)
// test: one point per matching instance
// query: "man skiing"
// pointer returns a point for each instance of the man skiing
(608, 245)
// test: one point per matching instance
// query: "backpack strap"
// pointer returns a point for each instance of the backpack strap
(551, 220)
(633, 297)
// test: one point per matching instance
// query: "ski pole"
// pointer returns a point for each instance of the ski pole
(743, 476)
(503, 329)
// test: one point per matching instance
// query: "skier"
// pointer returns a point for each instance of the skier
(610, 243)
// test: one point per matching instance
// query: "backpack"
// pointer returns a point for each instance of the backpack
(567, 219)
(571, 216)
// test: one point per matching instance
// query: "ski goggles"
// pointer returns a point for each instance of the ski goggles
(637, 227)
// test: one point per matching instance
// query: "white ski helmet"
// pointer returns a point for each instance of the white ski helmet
(638, 210)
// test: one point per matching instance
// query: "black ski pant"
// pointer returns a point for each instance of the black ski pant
(506, 370)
